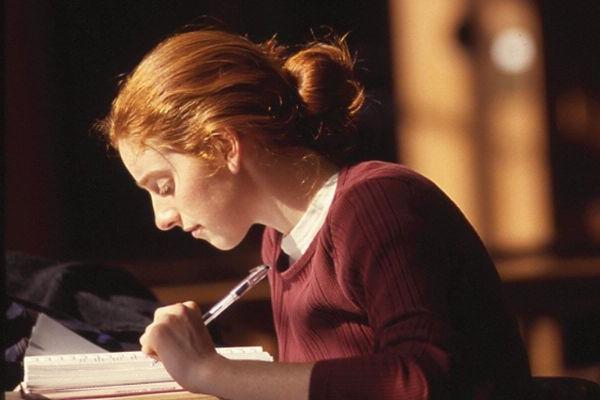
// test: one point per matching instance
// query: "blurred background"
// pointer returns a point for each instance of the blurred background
(497, 101)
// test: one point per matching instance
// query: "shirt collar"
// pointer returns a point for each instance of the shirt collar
(295, 243)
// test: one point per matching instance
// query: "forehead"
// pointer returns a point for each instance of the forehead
(140, 159)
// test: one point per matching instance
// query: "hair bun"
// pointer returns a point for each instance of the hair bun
(324, 76)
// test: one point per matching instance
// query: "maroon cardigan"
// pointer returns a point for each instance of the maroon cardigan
(396, 297)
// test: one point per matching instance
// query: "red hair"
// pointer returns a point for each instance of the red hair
(196, 84)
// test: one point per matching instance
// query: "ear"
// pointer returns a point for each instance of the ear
(232, 149)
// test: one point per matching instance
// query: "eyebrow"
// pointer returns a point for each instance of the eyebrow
(152, 174)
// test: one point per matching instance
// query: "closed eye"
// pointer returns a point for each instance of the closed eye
(164, 187)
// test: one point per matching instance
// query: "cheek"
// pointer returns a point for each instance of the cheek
(232, 225)
(234, 222)
(227, 203)
(218, 204)
(194, 200)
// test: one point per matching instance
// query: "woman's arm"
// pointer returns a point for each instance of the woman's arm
(180, 340)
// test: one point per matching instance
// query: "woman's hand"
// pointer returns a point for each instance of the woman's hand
(179, 339)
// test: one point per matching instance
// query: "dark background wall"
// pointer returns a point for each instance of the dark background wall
(571, 31)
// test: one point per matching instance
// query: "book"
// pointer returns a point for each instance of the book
(118, 375)
(59, 364)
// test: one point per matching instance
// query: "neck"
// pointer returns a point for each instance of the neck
(287, 187)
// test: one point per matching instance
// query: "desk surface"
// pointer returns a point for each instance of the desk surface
(157, 396)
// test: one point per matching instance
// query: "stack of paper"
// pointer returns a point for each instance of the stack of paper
(78, 376)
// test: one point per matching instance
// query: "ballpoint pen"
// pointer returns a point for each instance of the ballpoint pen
(255, 276)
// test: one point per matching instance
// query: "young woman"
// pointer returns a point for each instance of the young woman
(380, 287)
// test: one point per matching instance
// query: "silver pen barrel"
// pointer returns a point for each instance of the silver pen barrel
(255, 276)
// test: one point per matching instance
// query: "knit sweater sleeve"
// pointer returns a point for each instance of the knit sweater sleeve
(390, 259)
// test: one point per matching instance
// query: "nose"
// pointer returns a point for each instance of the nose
(165, 217)
(166, 220)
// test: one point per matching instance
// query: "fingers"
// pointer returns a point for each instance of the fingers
(176, 309)
(166, 318)
(147, 348)
(149, 339)
(192, 305)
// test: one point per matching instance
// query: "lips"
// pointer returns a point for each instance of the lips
(196, 232)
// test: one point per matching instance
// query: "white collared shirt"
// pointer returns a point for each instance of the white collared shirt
(295, 243)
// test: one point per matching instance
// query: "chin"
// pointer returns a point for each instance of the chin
(223, 247)
(224, 244)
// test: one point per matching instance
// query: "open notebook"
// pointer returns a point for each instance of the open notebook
(97, 375)
(85, 375)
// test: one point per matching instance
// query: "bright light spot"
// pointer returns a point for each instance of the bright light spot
(513, 50)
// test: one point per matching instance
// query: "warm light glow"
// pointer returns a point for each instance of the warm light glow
(574, 115)
(514, 125)
(435, 97)
(545, 345)
(513, 50)
(592, 220)
(473, 120)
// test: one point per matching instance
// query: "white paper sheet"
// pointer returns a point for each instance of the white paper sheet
(51, 337)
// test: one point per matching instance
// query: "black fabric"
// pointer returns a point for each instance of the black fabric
(17, 326)
(106, 305)
(86, 296)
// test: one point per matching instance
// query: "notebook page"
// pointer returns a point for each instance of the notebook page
(51, 337)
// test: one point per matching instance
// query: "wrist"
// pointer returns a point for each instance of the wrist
(207, 373)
